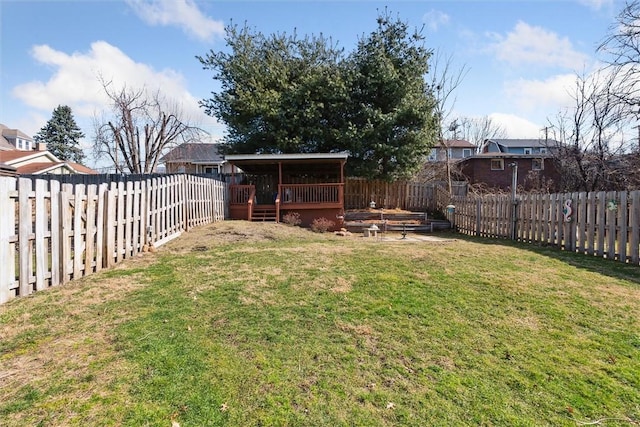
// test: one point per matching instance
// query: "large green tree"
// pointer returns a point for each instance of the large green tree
(62, 135)
(279, 93)
(285, 94)
(392, 121)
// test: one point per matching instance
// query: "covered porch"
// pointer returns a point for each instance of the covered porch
(272, 185)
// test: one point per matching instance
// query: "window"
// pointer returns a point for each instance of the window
(466, 152)
(497, 164)
(19, 144)
(543, 150)
(210, 169)
(537, 164)
(433, 155)
(181, 169)
(528, 150)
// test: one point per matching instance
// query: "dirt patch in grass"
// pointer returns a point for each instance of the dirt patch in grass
(226, 232)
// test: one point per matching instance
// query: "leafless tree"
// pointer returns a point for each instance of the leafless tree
(621, 50)
(140, 128)
(478, 129)
(590, 136)
(445, 80)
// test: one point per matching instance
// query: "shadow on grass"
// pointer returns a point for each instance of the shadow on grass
(611, 268)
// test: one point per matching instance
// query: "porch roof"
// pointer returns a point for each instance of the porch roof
(310, 163)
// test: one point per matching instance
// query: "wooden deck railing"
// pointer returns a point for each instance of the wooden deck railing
(316, 194)
(241, 194)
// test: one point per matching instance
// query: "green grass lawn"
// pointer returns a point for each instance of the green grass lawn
(240, 324)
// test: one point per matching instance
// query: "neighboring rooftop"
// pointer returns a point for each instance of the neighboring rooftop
(194, 152)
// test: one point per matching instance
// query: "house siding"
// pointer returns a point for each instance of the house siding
(478, 171)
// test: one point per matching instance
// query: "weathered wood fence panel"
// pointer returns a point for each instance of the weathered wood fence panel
(51, 233)
(603, 224)
(406, 195)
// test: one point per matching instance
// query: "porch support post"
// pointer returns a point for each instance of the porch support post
(342, 184)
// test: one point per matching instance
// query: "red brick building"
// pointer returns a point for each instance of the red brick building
(495, 170)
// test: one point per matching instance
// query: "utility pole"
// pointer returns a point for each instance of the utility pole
(546, 134)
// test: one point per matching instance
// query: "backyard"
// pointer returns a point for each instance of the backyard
(256, 324)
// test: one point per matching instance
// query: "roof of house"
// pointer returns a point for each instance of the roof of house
(6, 132)
(82, 169)
(506, 156)
(37, 168)
(13, 156)
(6, 170)
(300, 163)
(522, 143)
(194, 152)
(455, 143)
(269, 158)
(4, 143)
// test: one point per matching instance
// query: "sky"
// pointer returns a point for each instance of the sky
(520, 58)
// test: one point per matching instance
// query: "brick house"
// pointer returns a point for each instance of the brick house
(495, 170)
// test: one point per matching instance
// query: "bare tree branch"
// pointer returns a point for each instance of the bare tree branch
(141, 128)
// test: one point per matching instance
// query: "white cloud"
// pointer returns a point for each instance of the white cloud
(180, 13)
(550, 95)
(516, 127)
(531, 45)
(434, 19)
(76, 82)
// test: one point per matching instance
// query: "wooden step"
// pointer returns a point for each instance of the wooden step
(264, 214)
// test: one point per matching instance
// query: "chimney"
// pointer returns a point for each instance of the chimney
(41, 146)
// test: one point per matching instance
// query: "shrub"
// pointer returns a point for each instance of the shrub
(292, 218)
(321, 225)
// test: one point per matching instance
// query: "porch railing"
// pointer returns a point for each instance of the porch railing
(240, 194)
(311, 193)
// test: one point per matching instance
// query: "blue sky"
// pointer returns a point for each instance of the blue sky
(521, 56)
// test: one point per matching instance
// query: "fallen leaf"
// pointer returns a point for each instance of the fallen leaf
(224, 407)
(391, 405)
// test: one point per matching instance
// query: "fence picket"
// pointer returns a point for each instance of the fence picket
(634, 224)
(41, 234)
(621, 238)
(78, 241)
(24, 236)
(55, 235)
(7, 247)
(90, 230)
(65, 234)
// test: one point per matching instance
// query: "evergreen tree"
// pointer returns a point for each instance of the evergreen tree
(62, 135)
(280, 93)
(284, 94)
(392, 119)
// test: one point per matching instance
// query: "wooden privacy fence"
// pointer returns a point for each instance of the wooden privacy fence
(407, 195)
(51, 233)
(604, 224)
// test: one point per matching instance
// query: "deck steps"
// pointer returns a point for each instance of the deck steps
(264, 213)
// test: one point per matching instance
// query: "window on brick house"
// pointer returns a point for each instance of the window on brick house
(537, 164)
(497, 164)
